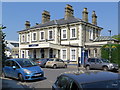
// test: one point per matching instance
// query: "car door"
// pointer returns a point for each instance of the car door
(7, 68)
(57, 61)
(14, 71)
(98, 64)
(92, 63)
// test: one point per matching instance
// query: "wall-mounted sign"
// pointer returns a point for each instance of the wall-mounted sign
(33, 45)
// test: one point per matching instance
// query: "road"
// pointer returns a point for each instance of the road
(47, 82)
(50, 77)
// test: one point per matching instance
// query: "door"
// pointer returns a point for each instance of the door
(14, 71)
(7, 68)
(92, 63)
(98, 64)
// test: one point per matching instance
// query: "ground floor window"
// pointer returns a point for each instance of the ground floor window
(64, 54)
(73, 54)
(23, 54)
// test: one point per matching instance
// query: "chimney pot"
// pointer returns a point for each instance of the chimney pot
(45, 16)
(85, 15)
(27, 24)
(94, 18)
(68, 11)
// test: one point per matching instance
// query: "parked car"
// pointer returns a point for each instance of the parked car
(42, 62)
(23, 69)
(97, 63)
(55, 62)
(87, 81)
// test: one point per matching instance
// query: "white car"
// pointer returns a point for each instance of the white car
(55, 62)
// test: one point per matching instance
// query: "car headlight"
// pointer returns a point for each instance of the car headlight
(27, 71)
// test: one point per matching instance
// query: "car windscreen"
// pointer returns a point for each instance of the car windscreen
(26, 63)
(102, 84)
(105, 60)
(51, 60)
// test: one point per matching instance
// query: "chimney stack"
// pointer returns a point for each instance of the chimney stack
(68, 11)
(27, 24)
(94, 18)
(45, 16)
(85, 15)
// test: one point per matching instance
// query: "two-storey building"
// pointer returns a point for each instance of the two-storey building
(69, 38)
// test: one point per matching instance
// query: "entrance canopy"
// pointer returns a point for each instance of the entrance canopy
(40, 45)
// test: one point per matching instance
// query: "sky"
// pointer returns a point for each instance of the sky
(14, 14)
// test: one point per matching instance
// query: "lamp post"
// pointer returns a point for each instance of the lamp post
(110, 45)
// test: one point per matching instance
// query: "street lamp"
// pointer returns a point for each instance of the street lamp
(110, 45)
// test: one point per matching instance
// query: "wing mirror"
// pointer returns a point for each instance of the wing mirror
(14, 67)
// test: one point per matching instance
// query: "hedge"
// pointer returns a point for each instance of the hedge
(115, 53)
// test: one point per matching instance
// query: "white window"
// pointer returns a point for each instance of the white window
(91, 34)
(73, 33)
(64, 34)
(42, 35)
(34, 36)
(50, 35)
(28, 37)
(95, 52)
(73, 54)
(23, 38)
(64, 54)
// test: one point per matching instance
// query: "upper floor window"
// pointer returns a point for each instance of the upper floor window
(64, 34)
(28, 37)
(50, 34)
(73, 33)
(42, 35)
(34, 36)
(91, 34)
(23, 38)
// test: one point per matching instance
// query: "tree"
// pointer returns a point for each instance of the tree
(2, 44)
(116, 37)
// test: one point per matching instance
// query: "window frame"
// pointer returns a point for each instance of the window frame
(71, 33)
(62, 36)
(22, 39)
(90, 34)
(49, 35)
(63, 54)
(43, 35)
(72, 55)
(33, 36)
(28, 37)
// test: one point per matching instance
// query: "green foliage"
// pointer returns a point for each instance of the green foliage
(116, 37)
(115, 52)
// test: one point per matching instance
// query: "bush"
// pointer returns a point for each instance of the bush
(115, 53)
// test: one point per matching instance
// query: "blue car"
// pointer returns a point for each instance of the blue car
(22, 69)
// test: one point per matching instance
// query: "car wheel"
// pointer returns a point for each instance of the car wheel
(54, 66)
(21, 78)
(88, 67)
(3, 75)
(65, 66)
(105, 68)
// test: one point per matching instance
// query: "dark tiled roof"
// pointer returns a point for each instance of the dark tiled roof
(104, 38)
(56, 22)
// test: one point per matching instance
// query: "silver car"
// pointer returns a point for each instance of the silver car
(97, 63)
(55, 62)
